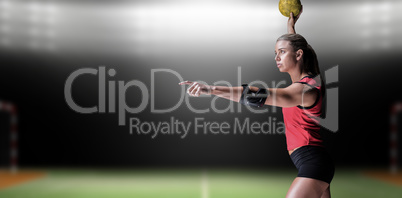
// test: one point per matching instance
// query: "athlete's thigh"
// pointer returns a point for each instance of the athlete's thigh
(303, 187)
(327, 193)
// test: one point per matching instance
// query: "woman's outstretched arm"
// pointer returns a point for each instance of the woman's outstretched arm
(293, 95)
(230, 93)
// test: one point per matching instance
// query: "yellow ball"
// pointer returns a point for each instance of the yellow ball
(288, 6)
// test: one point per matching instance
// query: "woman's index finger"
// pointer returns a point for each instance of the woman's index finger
(186, 82)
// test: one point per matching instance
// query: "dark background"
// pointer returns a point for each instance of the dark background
(52, 134)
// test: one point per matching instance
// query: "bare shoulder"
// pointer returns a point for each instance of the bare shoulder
(307, 94)
(296, 88)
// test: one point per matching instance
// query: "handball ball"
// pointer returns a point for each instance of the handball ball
(288, 6)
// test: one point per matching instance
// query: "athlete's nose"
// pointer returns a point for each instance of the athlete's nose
(277, 57)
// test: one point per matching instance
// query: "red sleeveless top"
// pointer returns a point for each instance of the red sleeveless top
(301, 127)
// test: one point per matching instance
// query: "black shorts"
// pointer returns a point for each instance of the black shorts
(313, 162)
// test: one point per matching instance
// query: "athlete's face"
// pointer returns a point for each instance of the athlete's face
(285, 57)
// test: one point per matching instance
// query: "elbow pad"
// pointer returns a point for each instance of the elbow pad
(255, 99)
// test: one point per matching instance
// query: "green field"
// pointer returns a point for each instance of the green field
(149, 183)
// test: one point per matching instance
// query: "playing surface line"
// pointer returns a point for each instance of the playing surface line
(204, 185)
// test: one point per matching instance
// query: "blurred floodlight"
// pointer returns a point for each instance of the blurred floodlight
(164, 27)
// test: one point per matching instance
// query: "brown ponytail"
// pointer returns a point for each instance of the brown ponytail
(311, 62)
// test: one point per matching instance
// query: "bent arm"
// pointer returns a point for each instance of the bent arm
(292, 22)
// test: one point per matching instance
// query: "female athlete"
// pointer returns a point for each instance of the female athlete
(301, 102)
